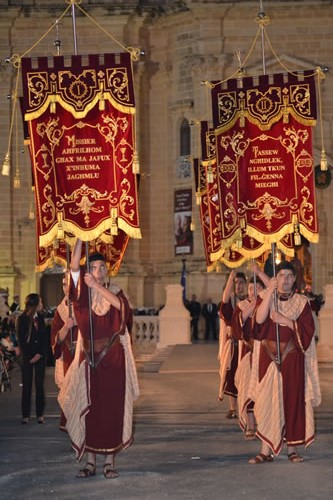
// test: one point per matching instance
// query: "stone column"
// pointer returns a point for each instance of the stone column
(325, 344)
(174, 319)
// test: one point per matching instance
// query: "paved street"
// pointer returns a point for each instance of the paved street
(184, 446)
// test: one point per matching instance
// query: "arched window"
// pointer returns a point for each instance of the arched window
(185, 138)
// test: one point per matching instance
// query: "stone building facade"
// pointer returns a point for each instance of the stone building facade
(183, 43)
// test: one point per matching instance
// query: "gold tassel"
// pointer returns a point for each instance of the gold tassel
(60, 229)
(285, 116)
(297, 236)
(239, 243)
(31, 213)
(114, 226)
(242, 114)
(192, 226)
(198, 198)
(135, 164)
(53, 104)
(6, 164)
(114, 229)
(101, 102)
(323, 161)
(210, 175)
(17, 181)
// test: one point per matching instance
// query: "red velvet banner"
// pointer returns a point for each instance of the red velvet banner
(264, 155)
(82, 144)
(235, 252)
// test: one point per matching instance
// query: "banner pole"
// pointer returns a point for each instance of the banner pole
(70, 308)
(278, 354)
(91, 332)
(261, 15)
(74, 27)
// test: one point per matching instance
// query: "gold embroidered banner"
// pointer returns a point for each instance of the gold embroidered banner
(82, 145)
(234, 252)
(265, 181)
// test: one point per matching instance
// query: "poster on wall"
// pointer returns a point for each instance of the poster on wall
(182, 222)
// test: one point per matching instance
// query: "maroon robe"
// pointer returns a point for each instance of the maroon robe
(62, 349)
(292, 368)
(226, 311)
(104, 420)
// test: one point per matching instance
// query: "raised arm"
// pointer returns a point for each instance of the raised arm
(263, 276)
(107, 294)
(76, 255)
(264, 307)
(228, 288)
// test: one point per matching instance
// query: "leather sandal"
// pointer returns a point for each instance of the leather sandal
(260, 459)
(250, 435)
(295, 458)
(109, 471)
(231, 414)
(88, 471)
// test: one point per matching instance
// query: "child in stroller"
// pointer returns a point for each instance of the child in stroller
(9, 356)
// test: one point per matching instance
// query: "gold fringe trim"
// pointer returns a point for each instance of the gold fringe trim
(78, 114)
(47, 239)
(240, 114)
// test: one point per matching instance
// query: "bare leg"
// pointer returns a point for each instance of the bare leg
(109, 469)
(232, 413)
(250, 426)
(90, 467)
(293, 456)
(264, 455)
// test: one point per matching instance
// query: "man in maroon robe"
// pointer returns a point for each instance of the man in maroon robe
(63, 330)
(284, 392)
(98, 398)
(228, 346)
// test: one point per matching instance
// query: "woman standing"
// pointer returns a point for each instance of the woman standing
(32, 339)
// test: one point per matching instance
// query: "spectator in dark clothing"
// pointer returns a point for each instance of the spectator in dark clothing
(32, 340)
(209, 312)
(195, 309)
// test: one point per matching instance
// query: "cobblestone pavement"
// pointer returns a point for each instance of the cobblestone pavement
(184, 446)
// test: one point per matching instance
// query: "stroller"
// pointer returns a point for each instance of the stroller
(5, 384)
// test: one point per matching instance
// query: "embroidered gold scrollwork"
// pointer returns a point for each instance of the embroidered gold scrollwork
(264, 106)
(85, 198)
(229, 213)
(227, 106)
(54, 134)
(306, 206)
(269, 207)
(300, 98)
(48, 208)
(38, 87)
(126, 201)
(117, 79)
(78, 90)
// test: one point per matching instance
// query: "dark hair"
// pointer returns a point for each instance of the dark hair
(241, 276)
(96, 256)
(31, 302)
(285, 264)
(258, 281)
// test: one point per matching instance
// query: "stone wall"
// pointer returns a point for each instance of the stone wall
(184, 43)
